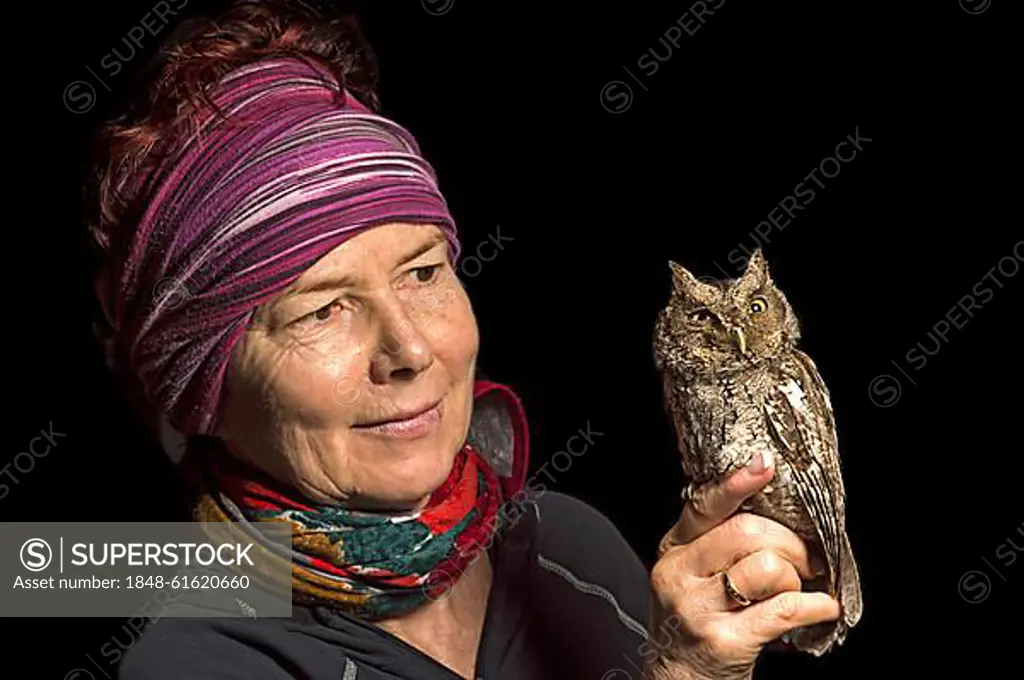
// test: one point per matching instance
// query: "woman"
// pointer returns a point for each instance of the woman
(278, 277)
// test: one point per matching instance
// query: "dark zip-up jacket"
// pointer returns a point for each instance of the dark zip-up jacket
(570, 599)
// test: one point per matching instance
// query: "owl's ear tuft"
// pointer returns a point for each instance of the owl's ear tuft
(685, 282)
(690, 287)
(757, 270)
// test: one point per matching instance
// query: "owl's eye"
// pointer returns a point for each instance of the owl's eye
(701, 316)
(758, 305)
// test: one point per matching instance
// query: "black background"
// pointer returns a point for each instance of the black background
(506, 100)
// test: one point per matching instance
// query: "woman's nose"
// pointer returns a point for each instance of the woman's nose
(402, 350)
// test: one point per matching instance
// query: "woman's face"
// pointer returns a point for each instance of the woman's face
(355, 385)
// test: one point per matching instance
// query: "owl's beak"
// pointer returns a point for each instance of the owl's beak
(741, 340)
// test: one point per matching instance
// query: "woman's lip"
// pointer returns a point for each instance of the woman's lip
(416, 426)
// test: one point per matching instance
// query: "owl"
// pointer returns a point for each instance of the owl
(735, 384)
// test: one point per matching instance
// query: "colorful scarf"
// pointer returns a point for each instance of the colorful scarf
(287, 168)
(372, 565)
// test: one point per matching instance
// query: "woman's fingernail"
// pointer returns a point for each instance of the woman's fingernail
(756, 465)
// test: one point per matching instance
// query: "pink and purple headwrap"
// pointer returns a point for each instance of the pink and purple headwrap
(241, 209)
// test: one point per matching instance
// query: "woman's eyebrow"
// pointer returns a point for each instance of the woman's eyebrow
(338, 282)
(427, 246)
(329, 283)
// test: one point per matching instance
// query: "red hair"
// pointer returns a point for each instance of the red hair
(171, 96)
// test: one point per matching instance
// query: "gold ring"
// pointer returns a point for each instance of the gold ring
(731, 591)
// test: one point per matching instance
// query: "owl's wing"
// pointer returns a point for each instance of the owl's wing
(801, 422)
(819, 394)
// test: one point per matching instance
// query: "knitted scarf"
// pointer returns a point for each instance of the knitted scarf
(369, 564)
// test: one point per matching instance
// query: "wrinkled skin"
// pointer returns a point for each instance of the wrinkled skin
(313, 367)
(702, 633)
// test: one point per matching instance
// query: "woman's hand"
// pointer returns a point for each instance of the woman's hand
(698, 629)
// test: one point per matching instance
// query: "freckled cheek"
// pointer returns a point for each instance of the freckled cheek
(454, 340)
(321, 383)
(454, 337)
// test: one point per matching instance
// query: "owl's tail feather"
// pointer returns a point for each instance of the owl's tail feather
(849, 584)
(820, 638)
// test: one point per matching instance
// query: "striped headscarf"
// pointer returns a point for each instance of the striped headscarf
(290, 167)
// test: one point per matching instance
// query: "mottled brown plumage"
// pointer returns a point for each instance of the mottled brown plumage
(735, 384)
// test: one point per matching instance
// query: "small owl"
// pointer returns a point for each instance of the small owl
(736, 384)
